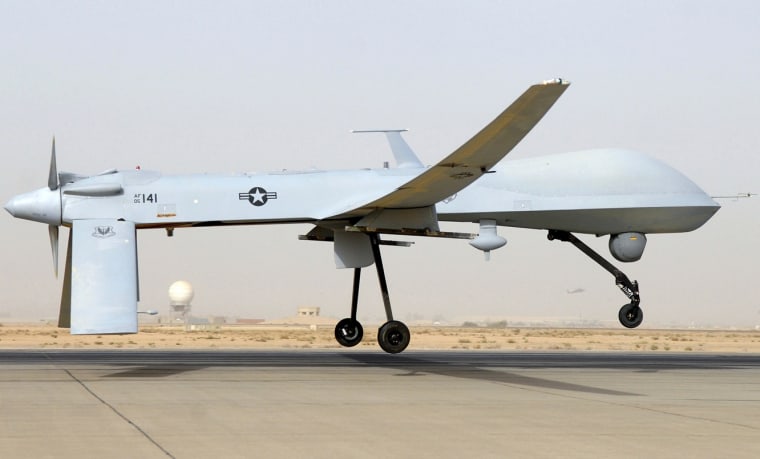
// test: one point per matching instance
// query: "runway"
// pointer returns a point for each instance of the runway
(365, 404)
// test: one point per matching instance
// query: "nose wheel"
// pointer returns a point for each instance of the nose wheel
(631, 315)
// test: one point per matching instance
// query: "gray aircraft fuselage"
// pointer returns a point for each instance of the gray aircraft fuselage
(596, 191)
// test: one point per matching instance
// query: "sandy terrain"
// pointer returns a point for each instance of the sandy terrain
(16, 336)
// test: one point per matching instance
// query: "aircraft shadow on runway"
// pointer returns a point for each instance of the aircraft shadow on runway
(483, 366)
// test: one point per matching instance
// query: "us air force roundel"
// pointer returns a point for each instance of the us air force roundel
(257, 196)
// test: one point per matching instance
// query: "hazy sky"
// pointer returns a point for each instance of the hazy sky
(227, 86)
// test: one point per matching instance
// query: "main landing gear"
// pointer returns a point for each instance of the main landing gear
(393, 336)
(630, 314)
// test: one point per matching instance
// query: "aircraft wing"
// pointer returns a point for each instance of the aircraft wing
(476, 157)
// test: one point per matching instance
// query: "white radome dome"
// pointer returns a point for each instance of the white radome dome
(181, 292)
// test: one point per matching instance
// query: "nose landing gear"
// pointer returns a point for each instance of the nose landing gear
(630, 315)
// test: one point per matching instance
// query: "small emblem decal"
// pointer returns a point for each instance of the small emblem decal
(103, 232)
(257, 196)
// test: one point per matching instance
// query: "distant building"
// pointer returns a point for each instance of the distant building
(308, 312)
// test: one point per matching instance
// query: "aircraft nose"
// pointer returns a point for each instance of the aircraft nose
(42, 206)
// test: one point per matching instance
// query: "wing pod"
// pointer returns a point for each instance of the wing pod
(488, 239)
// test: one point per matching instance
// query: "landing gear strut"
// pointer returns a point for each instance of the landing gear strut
(630, 314)
(393, 336)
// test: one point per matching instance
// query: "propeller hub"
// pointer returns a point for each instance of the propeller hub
(43, 205)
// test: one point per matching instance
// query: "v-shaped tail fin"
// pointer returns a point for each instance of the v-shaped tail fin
(404, 155)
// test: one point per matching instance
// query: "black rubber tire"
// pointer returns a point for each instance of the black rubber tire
(348, 332)
(393, 337)
(631, 315)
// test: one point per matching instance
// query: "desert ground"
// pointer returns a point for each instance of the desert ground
(45, 336)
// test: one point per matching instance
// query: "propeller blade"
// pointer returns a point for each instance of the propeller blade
(53, 232)
(53, 174)
(64, 316)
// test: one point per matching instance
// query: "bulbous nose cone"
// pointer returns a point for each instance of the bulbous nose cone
(43, 205)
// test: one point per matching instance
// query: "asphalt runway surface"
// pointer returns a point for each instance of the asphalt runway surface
(354, 404)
